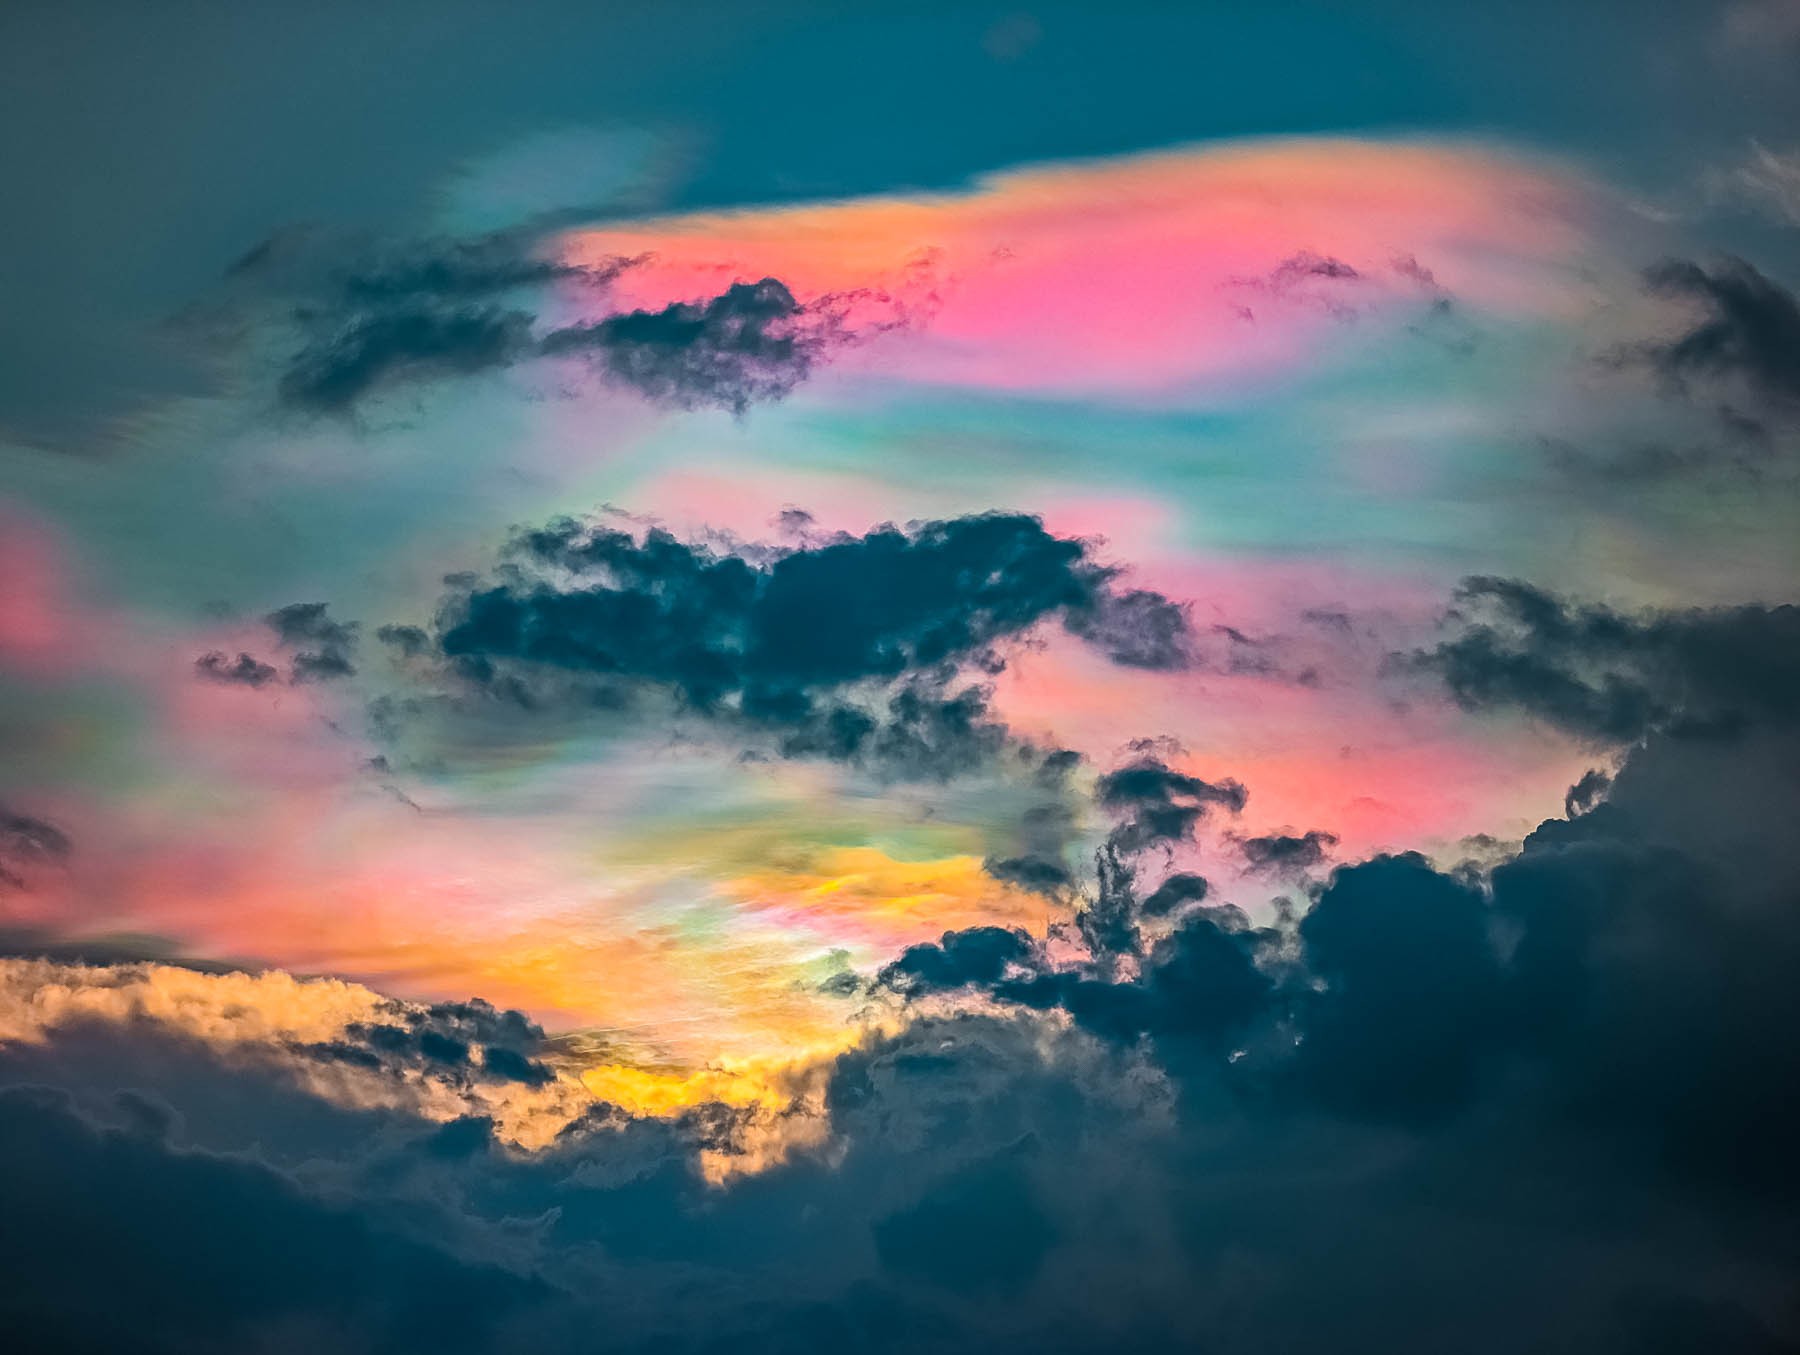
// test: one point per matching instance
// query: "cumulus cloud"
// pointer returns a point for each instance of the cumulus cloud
(1555, 1092)
(338, 1040)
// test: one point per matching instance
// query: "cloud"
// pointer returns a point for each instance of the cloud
(1554, 1093)
(339, 1041)
(1176, 891)
(412, 313)
(373, 352)
(1750, 332)
(28, 845)
(1586, 793)
(244, 671)
(323, 646)
(1558, 1095)
(1613, 677)
(1767, 181)
(1036, 873)
(1286, 854)
(751, 343)
(1136, 628)
(410, 641)
(871, 648)
(1159, 804)
(978, 956)
(202, 1249)
(463, 269)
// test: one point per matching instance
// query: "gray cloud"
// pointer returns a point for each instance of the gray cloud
(1613, 677)
(28, 845)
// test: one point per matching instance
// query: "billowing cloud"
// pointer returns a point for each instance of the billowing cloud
(1608, 1012)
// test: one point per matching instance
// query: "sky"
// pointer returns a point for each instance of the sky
(918, 677)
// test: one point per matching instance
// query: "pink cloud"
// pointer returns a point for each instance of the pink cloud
(1144, 275)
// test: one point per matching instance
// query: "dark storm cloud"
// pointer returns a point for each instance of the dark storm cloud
(858, 648)
(751, 343)
(1553, 1101)
(1554, 1106)
(1611, 676)
(1284, 853)
(28, 845)
(1306, 278)
(323, 647)
(202, 1250)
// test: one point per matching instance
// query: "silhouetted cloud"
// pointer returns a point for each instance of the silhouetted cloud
(412, 313)
(1159, 804)
(1179, 889)
(1553, 1088)
(1613, 677)
(1036, 873)
(752, 342)
(871, 648)
(1284, 853)
(980, 955)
